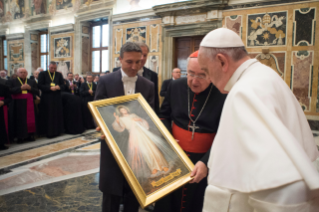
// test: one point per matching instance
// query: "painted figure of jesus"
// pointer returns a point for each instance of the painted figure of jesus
(147, 153)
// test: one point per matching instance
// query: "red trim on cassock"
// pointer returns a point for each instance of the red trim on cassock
(201, 143)
(5, 115)
(30, 110)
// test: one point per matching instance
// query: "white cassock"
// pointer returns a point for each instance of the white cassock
(263, 153)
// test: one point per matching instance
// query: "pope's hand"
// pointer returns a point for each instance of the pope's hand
(99, 129)
(199, 172)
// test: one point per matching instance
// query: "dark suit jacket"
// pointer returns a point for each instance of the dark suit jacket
(152, 76)
(111, 85)
(165, 87)
(3, 82)
(67, 89)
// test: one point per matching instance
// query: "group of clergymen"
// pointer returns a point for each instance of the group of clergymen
(32, 107)
(236, 120)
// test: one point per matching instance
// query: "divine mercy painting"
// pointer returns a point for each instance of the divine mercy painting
(153, 160)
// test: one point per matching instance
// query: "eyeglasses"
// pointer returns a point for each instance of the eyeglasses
(196, 76)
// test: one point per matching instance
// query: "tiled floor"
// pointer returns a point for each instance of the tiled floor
(60, 176)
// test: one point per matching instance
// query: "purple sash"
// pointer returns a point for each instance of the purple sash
(30, 110)
(5, 114)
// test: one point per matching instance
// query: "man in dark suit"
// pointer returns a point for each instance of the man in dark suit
(147, 73)
(70, 86)
(176, 74)
(119, 83)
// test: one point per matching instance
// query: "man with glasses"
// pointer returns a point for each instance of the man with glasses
(176, 74)
(194, 106)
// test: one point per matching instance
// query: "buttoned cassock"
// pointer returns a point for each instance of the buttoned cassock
(263, 144)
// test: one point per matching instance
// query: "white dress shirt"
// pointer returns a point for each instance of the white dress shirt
(128, 83)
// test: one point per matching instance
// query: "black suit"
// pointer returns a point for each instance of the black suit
(112, 182)
(67, 88)
(165, 87)
(3, 82)
(152, 76)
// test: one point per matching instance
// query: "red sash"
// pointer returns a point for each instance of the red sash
(5, 114)
(201, 143)
(30, 110)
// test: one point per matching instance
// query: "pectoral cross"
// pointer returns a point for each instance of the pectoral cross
(194, 127)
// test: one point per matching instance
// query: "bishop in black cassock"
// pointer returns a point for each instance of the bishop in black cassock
(72, 110)
(5, 99)
(194, 105)
(51, 111)
(24, 92)
(87, 92)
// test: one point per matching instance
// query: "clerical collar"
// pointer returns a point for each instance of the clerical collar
(237, 74)
(140, 72)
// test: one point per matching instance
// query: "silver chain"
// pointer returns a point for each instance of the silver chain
(202, 107)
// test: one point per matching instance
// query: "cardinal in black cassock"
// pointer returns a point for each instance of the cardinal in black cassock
(72, 110)
(194, 105)
(87, 92)
(23, 93)
(51, 111)
(5, 99)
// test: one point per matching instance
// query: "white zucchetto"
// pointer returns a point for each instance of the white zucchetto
(222, 38)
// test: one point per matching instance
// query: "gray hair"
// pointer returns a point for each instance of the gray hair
(142, 44)
(130, 47)
(21, 68)
(69, 73)
(52, 63)
(235, 53)
(38, 69)
(89, 74)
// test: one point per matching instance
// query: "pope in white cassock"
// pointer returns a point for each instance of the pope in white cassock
(147, 153)
(263, 153)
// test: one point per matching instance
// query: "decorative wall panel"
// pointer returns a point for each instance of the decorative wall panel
(61, 51)
(234, 23)
(15, 55)
(304, 26)
(34, 56)
(137, 34)
(118, 40)
(85, 54)
(302, 73)
(267, 29)
(275, 60)
(154, 37)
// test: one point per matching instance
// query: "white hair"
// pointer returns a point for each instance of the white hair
(38, 69)
(235, 53)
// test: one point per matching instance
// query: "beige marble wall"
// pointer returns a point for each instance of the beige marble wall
(294, 61)
(149, 32)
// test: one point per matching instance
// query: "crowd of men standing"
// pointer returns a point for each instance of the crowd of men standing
(44, 104)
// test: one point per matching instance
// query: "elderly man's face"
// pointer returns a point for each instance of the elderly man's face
(214, 70)
(70, 77)
(52, 68)
(176, 73)
(36, 74)
(3, 74)
(76, 77)
(197, 80)
(89, 79)
(22, 73)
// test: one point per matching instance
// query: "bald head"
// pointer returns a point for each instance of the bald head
(22, 73)
(36, 74)
(3, 73)
(39, 69)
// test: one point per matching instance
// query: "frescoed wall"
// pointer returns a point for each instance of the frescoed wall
(284, 38)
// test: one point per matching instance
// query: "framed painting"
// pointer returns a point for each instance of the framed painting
(151, 160)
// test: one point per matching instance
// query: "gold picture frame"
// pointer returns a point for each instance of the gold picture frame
(133, 115)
